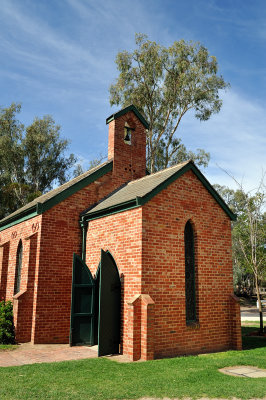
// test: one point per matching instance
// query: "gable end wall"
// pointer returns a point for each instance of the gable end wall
(163, 269)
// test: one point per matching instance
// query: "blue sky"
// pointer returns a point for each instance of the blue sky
(57, 57)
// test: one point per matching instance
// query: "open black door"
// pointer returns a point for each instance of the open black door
(82, 305)
(109, 306)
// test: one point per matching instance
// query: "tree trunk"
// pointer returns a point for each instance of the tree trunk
(259, 302)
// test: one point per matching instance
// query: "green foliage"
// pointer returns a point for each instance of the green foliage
(44, 154)
(164, 84)
(8, 347)
(32, 159)
(248, 236)
(249, 230)
(7, 331)
(181, 154)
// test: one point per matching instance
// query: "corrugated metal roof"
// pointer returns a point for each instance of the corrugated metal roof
(138, 188)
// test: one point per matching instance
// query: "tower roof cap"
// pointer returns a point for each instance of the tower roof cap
(124, 111)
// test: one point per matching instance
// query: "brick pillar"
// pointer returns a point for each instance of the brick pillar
(147, 327)
(140, 335)
(236, 337)
(134, 328)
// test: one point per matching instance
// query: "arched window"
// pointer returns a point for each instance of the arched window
(190, 274)
(18, 268)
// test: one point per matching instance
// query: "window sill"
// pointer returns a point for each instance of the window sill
(19, 294)
(193, 324)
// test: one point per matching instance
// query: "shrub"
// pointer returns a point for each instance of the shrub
(7, 330)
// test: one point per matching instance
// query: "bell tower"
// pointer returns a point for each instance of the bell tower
(127, 144)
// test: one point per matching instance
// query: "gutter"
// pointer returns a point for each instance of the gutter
(21, 217)
(84, 229)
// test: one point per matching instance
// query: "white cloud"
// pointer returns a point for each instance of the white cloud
(72, 64)
(235, 138)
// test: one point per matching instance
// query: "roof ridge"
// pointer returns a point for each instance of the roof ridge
(68, 183)
(161, 171)
(48, 196)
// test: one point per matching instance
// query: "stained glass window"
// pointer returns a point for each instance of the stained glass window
(18, 268)
(190, 274)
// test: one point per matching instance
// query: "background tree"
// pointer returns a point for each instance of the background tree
(44, 158)
(32, 160)
(12, 184)
(249, 233)
(164, 84)
(78, 170)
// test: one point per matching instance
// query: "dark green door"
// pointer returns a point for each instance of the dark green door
(109, 306)
(82, 305)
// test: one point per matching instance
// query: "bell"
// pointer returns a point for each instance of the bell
(127, 135)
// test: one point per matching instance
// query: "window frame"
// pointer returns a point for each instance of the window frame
(18, 270)
(189, 246)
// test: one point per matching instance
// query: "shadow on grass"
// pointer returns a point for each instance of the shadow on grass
(252, 342)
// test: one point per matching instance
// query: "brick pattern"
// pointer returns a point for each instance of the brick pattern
(29, 232)
(61, 237)
(147, 328)
(24, 300)
(141, 328)
(236, 337)
(134, 328)
(121, 234)
(163, 269)
(160, 271)
(129, 160)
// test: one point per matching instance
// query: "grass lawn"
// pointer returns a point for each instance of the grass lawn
(193, 376)
(7, 347)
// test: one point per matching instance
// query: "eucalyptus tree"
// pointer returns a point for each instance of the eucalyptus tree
(249, 232)
(165, 84)
(32, 159)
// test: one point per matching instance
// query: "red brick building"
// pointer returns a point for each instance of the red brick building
(151, 274)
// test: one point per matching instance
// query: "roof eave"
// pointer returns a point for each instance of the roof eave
(40, 208)
(140, 201)
(127, 205)
(124, 111)
(21, 217)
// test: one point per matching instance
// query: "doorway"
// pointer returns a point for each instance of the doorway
(96, 305)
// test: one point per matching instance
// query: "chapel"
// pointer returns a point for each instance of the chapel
(136, 263)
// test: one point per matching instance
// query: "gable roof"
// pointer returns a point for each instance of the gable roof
(55, 196)
(137, 193)
(124, 111)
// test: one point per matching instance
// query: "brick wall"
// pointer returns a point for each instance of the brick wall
(129, 160)
(29, 233)
(148, 246)
(61, 237)
(121, 234)
(47, 295)
(163, 270)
